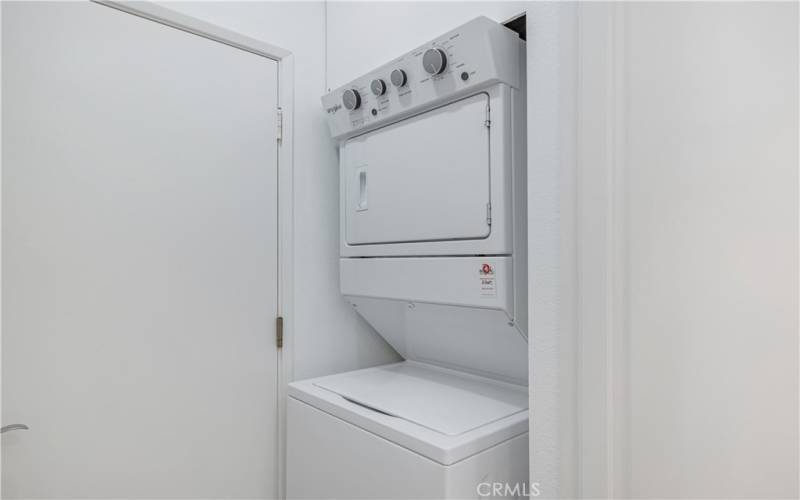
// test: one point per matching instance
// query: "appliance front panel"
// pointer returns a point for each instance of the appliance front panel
(426, 178)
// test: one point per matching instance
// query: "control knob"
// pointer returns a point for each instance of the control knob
(434, 61)
(378, 87)
(351, 99)
(398, 77)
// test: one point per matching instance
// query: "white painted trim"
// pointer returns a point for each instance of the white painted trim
(1, 238)
(198, 27)
(552, 281)
(285, 271)
(285, 255)
(602, 243)
(619, 328)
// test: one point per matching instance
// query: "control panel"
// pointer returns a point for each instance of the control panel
(475, 55)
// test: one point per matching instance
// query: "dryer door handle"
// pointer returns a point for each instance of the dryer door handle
(14, 427)
(362, 189)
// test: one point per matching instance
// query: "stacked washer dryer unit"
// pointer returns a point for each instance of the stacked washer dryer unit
(433, 256)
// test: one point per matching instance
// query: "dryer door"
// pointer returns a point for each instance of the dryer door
(425, 178)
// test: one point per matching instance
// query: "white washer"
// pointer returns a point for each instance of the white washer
(406, 430)
(433, 255)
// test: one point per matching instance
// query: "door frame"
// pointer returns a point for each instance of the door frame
(576, 236)
(603, 334)
(285, 113)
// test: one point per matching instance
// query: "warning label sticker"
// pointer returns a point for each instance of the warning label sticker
(488, 281)
(488, 286)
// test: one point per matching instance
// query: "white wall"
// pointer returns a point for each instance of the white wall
(328, 336)
(688, 224)
(712, 163)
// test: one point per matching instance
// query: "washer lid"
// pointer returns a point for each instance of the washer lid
(447, 402)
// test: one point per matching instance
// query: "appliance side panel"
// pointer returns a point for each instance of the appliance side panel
(520, 194)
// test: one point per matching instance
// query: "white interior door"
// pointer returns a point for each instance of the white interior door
(139, 239)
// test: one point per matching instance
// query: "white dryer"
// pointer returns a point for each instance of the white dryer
(433, 256)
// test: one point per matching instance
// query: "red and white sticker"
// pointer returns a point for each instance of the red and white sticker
(488, 281)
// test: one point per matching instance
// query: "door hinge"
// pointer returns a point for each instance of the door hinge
(279, 125)
(279, 331)
(488, 121)
(488, 214)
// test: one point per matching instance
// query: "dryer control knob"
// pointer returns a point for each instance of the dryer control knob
(351, 99)
(434, 61)
(398, 77)
(378, 87)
